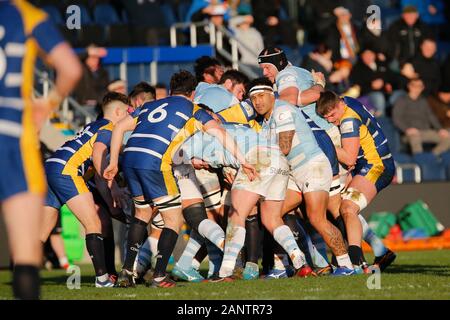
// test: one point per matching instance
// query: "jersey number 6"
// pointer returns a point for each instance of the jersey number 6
(159, 114)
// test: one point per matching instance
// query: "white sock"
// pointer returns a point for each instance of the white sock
(283, 235)
(344, 261)
(194, 244)
(213, 232)
(233, 245)
(371, 238)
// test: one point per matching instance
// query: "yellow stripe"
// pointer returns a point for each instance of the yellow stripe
(31, 15)
(80, 185)
(171, 183)
(374, 173)
(77, 159)
(234, 114)
(29, 143)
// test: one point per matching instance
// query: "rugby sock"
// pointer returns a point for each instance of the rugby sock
(144, 257)
(356, 255)
(252, 239)
(370, 237)
(283, 235)
(215, 256)
(96, 250)
(235, 240)
(199, 257)
(301, 237)
(268, 251)
(318, 247)
(344, 261)
(26, 283)
(166, 244)
(213, 232)
(110, 254)
(194, 244)
(136, 236)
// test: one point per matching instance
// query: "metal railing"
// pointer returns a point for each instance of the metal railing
(400, 167)
(216, 39)
(64, 112)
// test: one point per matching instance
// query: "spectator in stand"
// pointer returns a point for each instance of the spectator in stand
(406, 34)
(374, 36)
(341, 37)
(374, 79)
(431, 12)
(322, 18)
(427, 66)
(411, 114)
(273, 29)
(241, 25)
(94, 81)
(337, 77)
(161, 91)
(440, 103)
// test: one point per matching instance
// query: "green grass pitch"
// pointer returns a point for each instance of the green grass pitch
(414, 275)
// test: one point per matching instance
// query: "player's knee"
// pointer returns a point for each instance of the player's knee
(194, 214)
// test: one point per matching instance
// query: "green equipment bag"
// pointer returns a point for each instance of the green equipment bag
(381, 223)
(71, 232)
(417, 215)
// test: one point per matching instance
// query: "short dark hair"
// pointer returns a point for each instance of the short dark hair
(203, 63)
(182, 82)
(161, 85)
(114, 96)
(142, 87)
(235, 76)
(326, 102)
(263, 81)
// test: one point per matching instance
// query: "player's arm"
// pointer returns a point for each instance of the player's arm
(350, 139)
(214, 129)
(285, 141)
(126, 124)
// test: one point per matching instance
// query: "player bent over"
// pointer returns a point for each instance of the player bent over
(66, 183)
(365, 148)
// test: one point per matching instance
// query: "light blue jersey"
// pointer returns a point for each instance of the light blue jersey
(204, 146)
(214, 96)
(286, 117)
(302, 80)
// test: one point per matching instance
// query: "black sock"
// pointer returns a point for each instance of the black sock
(166, 244)
(110, 255)
(201, 254)
(252, 239)
(96, 250)
(136, 236)
(267, 257)
(26, 283)
(356, 255)
(299, 235)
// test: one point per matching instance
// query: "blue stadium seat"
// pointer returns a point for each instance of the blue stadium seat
(445, 157)
(406, 168)
(432, 168)
(391, 133)
(182, 9)
(169, 14)
(105, 14)
(54, 14)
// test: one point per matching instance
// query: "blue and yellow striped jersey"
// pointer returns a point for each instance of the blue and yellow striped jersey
(358, 122)
(242, 113)
(24, 30)
(75, 156)
(162, 127)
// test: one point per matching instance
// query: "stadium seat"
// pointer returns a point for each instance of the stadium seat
(445, 157)
(406, 169)
(118, 35)
(182, 9)
(432, 168)
(169, 14)
(89, 34)
(105, 14)
(54, 14)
